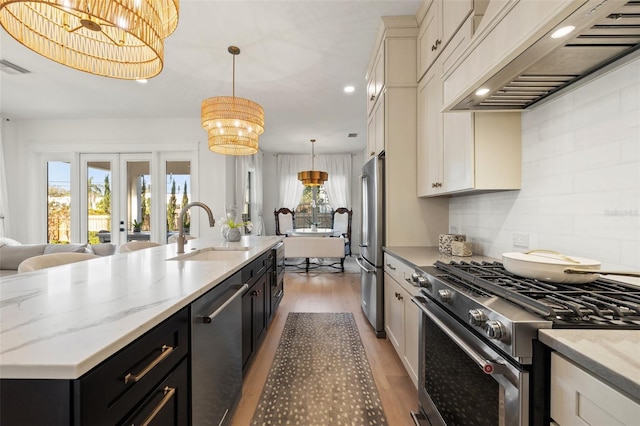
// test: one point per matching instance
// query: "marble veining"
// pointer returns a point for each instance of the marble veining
(59, 323)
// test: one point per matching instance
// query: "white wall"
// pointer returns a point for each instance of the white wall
(580, 178)
(24, 139)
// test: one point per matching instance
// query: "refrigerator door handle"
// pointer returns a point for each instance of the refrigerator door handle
(363, 267)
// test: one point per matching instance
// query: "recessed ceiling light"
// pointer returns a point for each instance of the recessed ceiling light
(142, 80)
(561, 32)
(349, 89)
(482, 91)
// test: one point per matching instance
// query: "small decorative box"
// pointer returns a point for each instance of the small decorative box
(460, 248)
(445, 240)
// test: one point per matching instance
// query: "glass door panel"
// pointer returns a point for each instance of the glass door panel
(58, 202)
(138, 199)
(99, 178)
(178, 195)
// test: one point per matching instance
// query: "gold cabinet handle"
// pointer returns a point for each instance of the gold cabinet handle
(166, 351)
(168, 394)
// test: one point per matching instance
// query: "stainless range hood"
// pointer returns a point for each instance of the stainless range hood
(606, 31)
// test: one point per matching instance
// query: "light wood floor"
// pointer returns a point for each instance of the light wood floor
(316, 292)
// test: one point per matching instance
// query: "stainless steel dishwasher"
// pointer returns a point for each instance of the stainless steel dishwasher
(216, 352)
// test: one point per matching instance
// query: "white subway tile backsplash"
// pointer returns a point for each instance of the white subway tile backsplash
(580, 178)
(630, 149)
(618, 80)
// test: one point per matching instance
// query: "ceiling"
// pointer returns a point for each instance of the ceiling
(296, 57)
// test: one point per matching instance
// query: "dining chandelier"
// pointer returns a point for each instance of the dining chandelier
(113, 38)
(233, 124)
(312, 177)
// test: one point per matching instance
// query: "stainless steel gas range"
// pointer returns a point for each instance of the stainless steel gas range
(480, 360)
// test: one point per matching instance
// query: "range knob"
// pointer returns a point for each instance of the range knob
(414, 277)
(477, 317)
(424, 282)
(495, 330)
(445, 295)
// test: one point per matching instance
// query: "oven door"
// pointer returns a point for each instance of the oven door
(462, 379)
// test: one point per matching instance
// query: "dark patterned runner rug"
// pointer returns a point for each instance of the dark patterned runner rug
(320, 375)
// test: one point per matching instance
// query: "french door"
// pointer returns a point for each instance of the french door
(116, 198)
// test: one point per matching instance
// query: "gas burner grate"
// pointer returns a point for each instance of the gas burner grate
(602, 303)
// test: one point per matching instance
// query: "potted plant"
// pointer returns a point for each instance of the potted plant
(231, 228)
(136, 225)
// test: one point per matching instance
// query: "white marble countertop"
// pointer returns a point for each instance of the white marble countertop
(59, 323)
(613, 355)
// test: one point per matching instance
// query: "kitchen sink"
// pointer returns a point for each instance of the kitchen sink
(214, 253)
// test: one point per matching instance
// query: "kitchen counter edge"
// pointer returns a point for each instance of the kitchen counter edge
(611, 355)
(98, 324)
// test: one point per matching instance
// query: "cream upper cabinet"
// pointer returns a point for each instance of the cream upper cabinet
(579, 398)
(375, 80)
(392, 127)
(454, 13)
(463, 151)
(429, 38)
(402, 316)
(376, 128)
(430, 141)
(440, 23)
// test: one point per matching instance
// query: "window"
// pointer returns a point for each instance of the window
(314, 196)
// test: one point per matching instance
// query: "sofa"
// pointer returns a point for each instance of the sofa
(312, 247)
(12, 253)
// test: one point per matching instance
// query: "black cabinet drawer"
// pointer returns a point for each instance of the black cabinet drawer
(168, 402)
(255, 269)
(110, 391)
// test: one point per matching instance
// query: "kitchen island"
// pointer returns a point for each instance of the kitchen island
(61, 323)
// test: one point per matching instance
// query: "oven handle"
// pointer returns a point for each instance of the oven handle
(487, 366)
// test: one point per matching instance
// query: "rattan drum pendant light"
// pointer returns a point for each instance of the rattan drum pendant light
(312, 177)
(233, 124)
(113, 38)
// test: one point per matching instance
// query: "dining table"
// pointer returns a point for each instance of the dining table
(311, 232)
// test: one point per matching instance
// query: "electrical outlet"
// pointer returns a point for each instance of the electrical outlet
(454, 229)
(520, 239)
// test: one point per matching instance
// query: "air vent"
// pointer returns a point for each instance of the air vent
(352, 135)
(10, 68)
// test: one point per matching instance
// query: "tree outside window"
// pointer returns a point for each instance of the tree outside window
(304, 211)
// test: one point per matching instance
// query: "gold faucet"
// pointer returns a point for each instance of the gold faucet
(182, 240)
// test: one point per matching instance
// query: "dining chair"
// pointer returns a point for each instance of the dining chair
(285, 221)
(341, 225)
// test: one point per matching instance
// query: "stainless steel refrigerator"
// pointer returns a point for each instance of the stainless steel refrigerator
(371, 242)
